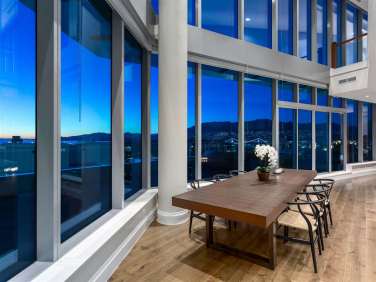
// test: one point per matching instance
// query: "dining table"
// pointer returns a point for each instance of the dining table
(244, 198)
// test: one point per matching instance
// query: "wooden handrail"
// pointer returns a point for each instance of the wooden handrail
(335, 46)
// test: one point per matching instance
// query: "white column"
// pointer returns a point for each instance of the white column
(172, 142)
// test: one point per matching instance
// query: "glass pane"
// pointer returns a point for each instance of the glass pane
(258, 113)
(367, 132)
(352, 131)
(220, 16)
(304, 139)
(219, 121)
(365, 38)
(287, 138)
(192, 12)
(17, 136)
(285, 26)
(305, 29)
(337, 28)
(85, 114)
(286, 91)
(154, 119)
(322, 31)
(305, 94)
(337, 102)
(337, 142)
(351, 32)
(258, 22)
(191, 120)
(322, 142)
(322, 97)
(132, 116)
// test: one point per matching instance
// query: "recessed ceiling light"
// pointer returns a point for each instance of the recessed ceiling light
(247, 19)
(367, 96)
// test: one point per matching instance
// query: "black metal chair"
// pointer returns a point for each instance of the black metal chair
(330, 184)
(195, 185)
(302, 221)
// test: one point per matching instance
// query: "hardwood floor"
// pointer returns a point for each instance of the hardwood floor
(166, 253)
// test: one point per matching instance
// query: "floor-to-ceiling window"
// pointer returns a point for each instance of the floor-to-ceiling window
(191, 10)
(352, 131)
(287, 138)
(220, 16)
(191, 120)
(337, 29)
(304, 139)
(219, 121)
(154, 119)
(322, 97)
(17, 136)
(337, 142)
(85, 113)
(132, 116)
(258, 112)
(305, 29)
(367, 132)
(322, 141)
(285, 26)
(258, 22)
(351, 32)
(365, 38)
(322, 31)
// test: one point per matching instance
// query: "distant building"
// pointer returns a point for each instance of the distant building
(17, 140)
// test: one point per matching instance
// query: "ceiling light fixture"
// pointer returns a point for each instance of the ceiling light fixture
(247, 19)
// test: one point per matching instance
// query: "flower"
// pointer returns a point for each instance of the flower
(268, 157)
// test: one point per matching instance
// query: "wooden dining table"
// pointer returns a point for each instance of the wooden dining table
(244, 198)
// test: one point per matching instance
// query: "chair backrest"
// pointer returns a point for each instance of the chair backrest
(318, 185)
(315, 205)
(198, 183)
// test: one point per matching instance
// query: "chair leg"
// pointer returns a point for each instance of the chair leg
(325, 220)
(330, 214)
(190, 223)
(285, 234)
(312, 242)
(320, 238)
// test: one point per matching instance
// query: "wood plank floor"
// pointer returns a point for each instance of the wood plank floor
(167, 253)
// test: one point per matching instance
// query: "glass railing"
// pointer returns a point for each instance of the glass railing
(346, 52)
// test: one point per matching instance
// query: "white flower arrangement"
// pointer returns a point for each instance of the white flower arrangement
(268, 157)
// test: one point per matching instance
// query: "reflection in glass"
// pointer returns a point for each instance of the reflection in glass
(351, 32)
(322, 142)
(17, 136)
(154, 119)
(85, 114)
(337, 28)
(258, 22)
(286, 91)
(191, 119)
(285, 26)
(287, 138)
(365, 38)
(322, 97)
(220, 16)
(305, 30)
(258, 116)
(322, 31)
(132, 116)
(337, 142)
(367, 132)
(304, 139)
(337, 102)
(352, 131)
(219, 121)
(305, 94)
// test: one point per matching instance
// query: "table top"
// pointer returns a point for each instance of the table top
(246, 199)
